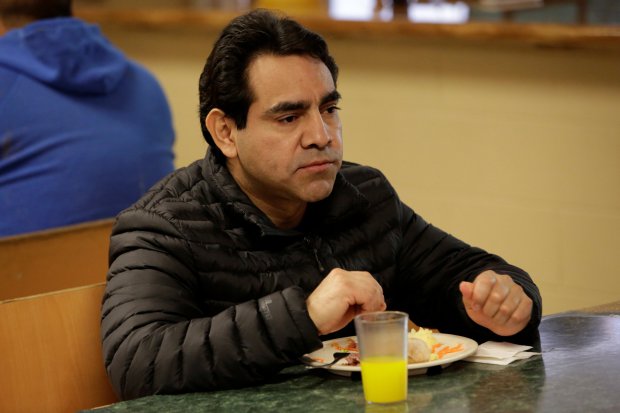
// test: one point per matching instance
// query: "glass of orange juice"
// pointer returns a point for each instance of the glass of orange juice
(382, 342)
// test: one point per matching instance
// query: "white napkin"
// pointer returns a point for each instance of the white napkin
(493, 352)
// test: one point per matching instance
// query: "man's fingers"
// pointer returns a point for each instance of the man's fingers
(467, 290)
(508, 306)
(495, 298)
(342, 295)
(483, 285)
(366, 292)
(496, 302)
(523, 313)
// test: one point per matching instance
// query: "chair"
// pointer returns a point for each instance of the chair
(44, 261)
(50, 352)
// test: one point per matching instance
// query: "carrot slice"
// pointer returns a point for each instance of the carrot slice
(448, 350)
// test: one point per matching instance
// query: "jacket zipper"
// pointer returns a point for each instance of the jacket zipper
(312, 243)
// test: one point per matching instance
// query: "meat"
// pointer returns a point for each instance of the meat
(418, 351)
(352, 359)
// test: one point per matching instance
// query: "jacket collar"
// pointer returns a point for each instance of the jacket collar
(344, 203)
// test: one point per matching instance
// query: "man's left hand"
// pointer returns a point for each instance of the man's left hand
(496, 302)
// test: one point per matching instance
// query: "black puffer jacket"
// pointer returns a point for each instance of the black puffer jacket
(204, 292)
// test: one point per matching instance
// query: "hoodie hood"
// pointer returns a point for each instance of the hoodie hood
(66, 54)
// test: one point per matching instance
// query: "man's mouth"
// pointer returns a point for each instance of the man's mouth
(317, 166)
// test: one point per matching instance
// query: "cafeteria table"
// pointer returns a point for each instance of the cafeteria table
(578, 371)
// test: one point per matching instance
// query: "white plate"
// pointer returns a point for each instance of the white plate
(329, 347)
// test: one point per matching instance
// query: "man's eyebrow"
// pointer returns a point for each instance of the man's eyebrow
(287, 107)
(330, 97)
(301, 105)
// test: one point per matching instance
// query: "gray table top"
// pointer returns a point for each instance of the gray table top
(577, 372)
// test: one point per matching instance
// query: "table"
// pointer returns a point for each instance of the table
(577, 372)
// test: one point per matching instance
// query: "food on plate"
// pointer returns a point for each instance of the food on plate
(436, 349)
(423, 346)
(349, 345)
(425, 335)
(443, 350)
(418, 351)
(352, 359)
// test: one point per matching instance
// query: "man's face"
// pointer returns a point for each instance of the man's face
(291, 148)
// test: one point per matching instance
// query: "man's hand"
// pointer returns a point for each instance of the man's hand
(341, 296)
(496, 302)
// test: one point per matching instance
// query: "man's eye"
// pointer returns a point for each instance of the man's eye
(288, 119)
(332, 109)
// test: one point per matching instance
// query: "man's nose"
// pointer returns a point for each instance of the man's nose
(317, 132)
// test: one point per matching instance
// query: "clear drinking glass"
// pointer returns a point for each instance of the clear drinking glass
(382, 342)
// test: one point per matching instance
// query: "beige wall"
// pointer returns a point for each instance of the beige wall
(512, 148)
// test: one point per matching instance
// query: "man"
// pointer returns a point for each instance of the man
(84, 132)
(232, 268)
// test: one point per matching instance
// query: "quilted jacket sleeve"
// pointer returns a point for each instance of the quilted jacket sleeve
(156, 338)
(434, 263)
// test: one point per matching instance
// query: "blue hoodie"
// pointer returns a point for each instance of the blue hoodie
(84, 132)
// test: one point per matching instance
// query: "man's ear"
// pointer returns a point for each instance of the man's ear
(223, 130)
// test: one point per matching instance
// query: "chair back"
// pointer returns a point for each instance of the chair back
(44, 261)
(50, 352)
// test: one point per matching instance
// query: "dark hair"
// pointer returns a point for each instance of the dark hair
(224, 82)
(34, 9)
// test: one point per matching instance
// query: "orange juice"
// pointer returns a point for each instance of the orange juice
(384, 379)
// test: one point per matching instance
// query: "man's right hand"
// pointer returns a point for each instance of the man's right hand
(341, 296)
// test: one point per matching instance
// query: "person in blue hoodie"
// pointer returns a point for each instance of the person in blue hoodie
(84, 132)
